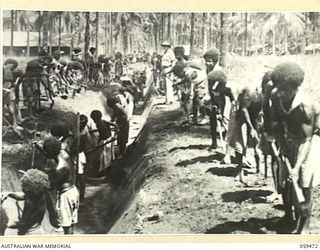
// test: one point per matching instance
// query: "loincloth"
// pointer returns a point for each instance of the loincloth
(309, 175)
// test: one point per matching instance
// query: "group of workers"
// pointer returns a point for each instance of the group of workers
(276, 118)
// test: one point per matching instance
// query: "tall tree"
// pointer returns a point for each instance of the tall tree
(224, 39)
(162, 26)
(87, 33)
(45, 31)
(245, 33)
(204, 32)
(12, 32)
(97, 31)
(111, 33)
(169, 28)
(192, 33)
(59, 29)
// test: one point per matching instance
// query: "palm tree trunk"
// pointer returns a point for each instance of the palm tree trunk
(210, 32)
(169, 27)
(111, 35)
(59, 30)
(87, 33)
(50, 35)
(204, 32)
(224, 39)
(162, 26)
(16, 20)
(72, 39)
(45, 30)
(97, 33)
(305, 31)
(156, 37)
(192, 34)
(285, 41)
(39, 32)
(12, 32)
(245, 33)
(274, 40)
(28, 37)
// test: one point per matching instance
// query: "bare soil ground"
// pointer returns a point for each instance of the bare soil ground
(170, 183)
(188, 191)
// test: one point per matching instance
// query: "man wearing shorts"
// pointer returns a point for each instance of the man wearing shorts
(299, 116)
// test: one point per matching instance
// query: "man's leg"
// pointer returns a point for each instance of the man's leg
(195, 107)
(68, 230)
(240, 174)
(81, 185)
(12, 112)
(288, 221)
(304, 210)
(213, 128)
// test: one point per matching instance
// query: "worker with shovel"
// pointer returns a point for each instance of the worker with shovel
(300, 119)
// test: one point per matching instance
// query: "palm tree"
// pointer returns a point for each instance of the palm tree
(169, 27)
(12, 32)
(224, 39)
(192, 33)
(204, 32)
(59, 30)
(87, 33)
(245, 33)
(314, 18)
(45, 30)
(162, 25)
(97, 31)
(111, 33)
(285, 23)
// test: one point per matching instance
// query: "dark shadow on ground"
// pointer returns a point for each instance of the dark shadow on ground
(223, 171)
(173, 124)
(252, 225)
(200, 159)
(255, 196)
(279, 207)
(199, 146)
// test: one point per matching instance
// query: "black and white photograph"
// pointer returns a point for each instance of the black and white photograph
(160, 123)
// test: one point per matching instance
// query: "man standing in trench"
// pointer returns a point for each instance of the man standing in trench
(167, 62)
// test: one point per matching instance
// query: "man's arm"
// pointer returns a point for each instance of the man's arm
(305, 146)
(20, 196)
(228, 93)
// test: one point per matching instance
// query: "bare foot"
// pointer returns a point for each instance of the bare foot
(273, 197)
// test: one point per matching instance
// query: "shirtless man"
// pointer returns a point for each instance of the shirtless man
(299, 116)
(34, 185)
(61, 173)
(9, 95)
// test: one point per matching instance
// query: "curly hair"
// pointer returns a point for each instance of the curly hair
(35, 182)
(212, 54)
(96, 115)
(217, 76)
(83, 120)
(11, 61)
(52, 147)
(178, 69)
(179, 51)
(59, 129)
(75, 65)
(287, 75)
